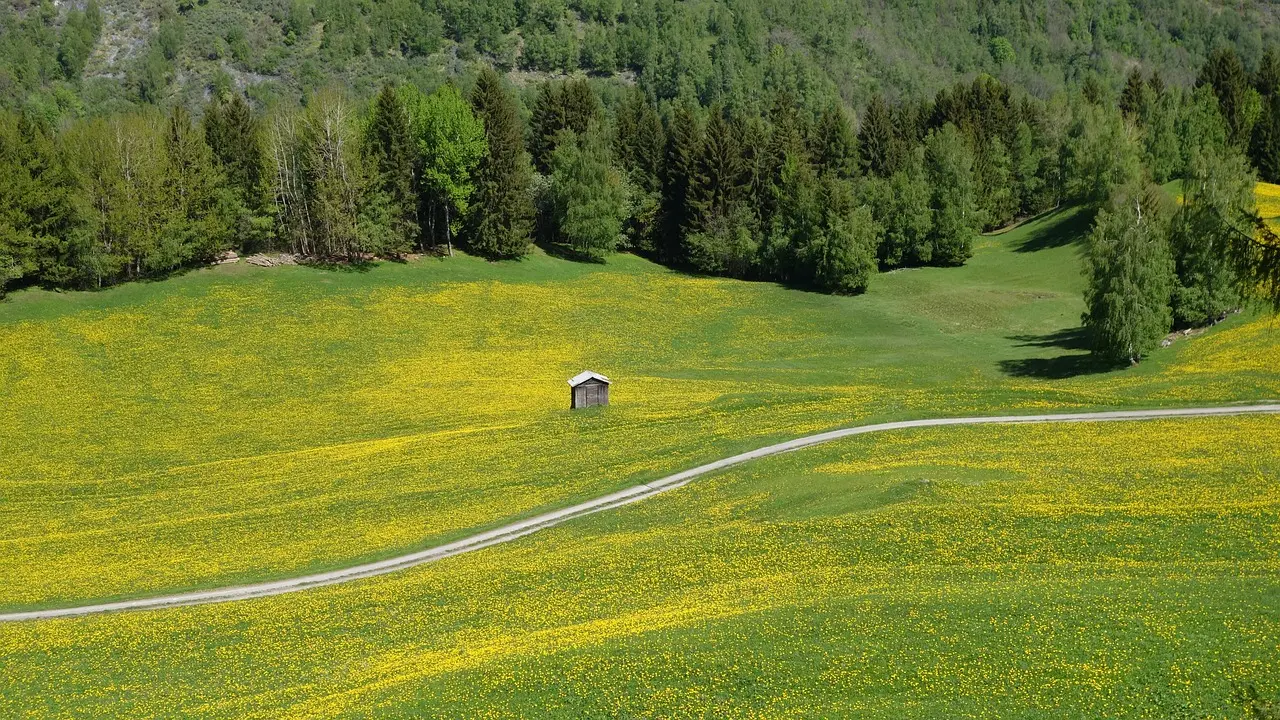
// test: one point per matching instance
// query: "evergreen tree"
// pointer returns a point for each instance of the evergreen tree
(721, 175)
(901, 206)
(501, 215)
(234, 135)
(559, 106)
(948, 163)
(877, 139)
(390, 150)
(1265, 146)
(835, 147)
(1226, 76)
(199, 222)
(684, 147)
(588, 194)
(640, 147)
(1267, 79)
(1218, 204)
(639, 142)
(581, 106)
(1129, 271)
(719, 236)
(41, 225)
(1132, 99)
(843, 258)
(549, 118)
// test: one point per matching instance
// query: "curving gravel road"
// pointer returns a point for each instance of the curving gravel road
(623, 497)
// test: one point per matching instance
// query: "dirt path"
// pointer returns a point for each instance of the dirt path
(643, 491)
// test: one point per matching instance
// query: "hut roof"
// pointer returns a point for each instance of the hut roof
(586, 375)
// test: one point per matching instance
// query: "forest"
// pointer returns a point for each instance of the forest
(738, 142)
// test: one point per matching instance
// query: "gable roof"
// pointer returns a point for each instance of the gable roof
(586, 375)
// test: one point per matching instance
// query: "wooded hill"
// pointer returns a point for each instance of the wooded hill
(752, 164)
(122, 53)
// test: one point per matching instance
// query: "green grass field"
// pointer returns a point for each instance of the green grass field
(1118, 570)
(241, 423)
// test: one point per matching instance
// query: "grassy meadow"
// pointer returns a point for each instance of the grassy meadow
(1057, 571)
(242, 423)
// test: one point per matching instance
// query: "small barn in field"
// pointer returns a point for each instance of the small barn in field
(588, 389)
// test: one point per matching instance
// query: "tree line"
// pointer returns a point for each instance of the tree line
(793, 192)
(1154, 263)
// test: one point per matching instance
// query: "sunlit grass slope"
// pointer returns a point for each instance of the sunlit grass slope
(1086, 570)
(242, 423)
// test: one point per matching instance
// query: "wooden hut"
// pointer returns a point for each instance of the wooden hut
(588, 389)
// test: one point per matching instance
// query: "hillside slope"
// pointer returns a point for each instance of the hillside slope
(159, 50)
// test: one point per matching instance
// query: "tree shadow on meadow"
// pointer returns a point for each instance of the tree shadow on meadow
(1058, 233)
(1073, 364)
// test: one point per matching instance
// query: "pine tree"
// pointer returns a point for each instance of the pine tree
(640, 142)
(1131, 99)
(835, 147)
(1129, 272)
(235, 137)
(548, 120)
(877, 139)
(948, 165)
(501, 216)
(1264, 149)
(1225, 74)
(199, 222)
(390, 150)
(684, 146)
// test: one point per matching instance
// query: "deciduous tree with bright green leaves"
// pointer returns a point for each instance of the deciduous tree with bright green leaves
(450, 143)
(588, 194)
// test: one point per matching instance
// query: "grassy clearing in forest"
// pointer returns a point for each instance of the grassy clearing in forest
(241, 423)
(1084, 570)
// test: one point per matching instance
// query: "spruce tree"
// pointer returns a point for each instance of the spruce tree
(720, 236)
(1129, 273)
(389, 147)
(234, 135)
(1264, 149)
(684, 146)
(581, 106)
(835, 147)
(501, 216)
(546, 122)
(1131, 99)
(949, 168)
(1267, 79)
(1225, 74)
(640, 142)
(877, 139)
(198, 222)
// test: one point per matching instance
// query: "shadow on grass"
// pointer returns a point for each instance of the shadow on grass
(565, 252)
(1078, 362)
(1058, 233)
(340, 265)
